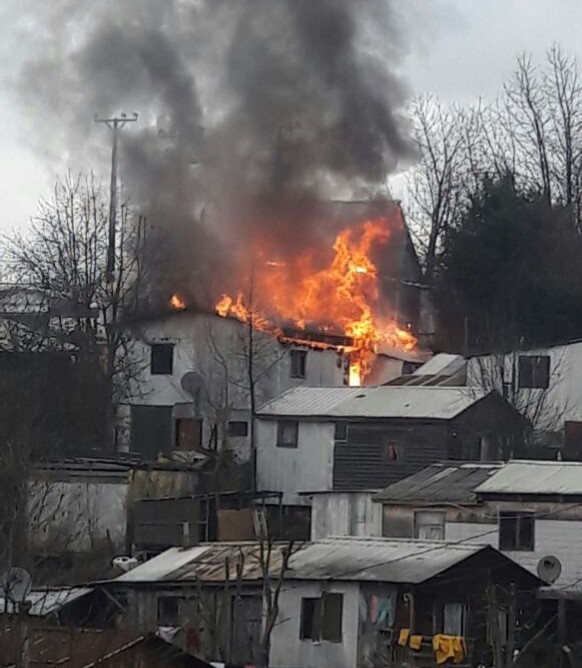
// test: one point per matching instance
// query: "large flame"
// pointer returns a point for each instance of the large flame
(341, 298)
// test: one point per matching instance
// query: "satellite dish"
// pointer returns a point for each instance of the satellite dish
(15, 584)
(549, 569)
(191, 382)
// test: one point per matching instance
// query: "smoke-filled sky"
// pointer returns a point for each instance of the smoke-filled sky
(53, 78)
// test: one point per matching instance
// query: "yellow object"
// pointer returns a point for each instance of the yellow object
(415, 642)
(448, 647)
(403, 637)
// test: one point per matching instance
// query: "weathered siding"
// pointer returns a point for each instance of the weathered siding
(363, 461)
(345, 514)
(307, 468)
(215, 349)
(288, 650)
(555, 534)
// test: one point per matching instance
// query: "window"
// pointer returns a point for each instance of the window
(298, 359)
(573, 437)
(454, 615)
(287, 431)
(429, 525)
(321, 618)
(168, 611)
(188, 434)
(162, 359)
(516, 531)
(238, 428)
(391, 452)
(341, 431)
(533, 371)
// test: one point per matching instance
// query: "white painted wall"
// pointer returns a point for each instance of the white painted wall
(307, 468)
(77, 515)
(561, 402)
(217, 350)
(559, 538)
(287, 648)
(345, 514)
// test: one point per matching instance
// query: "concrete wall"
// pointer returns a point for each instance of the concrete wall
(216, 350)
(345, 514)
(306, 468)
(287, 648)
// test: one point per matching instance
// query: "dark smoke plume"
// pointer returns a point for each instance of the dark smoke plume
(251, 113)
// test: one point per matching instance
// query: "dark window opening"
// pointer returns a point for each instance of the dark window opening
(298, 363)
(168, 611)
(287, 432)
(341, 431)
(409, 368)
(238, 428)
(573, 437)
(151, 430)
(162, 359)
(516, 531)
(533, 371)
(391, 453)
(321, 618)
(188, 434)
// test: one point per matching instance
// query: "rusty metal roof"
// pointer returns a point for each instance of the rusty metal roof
(350, 559)
(385, 402)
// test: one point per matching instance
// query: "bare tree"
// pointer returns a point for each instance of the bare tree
(62, 259)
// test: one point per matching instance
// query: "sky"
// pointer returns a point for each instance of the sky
(457, 49)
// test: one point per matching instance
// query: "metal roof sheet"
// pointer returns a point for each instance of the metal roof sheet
(535, 477)
(45, 601)
(356, 559)
(438, 403)
(441, 364)
(447, 482)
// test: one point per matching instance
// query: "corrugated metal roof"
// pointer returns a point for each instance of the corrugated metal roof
(358, 559)
(535, 477)
(453, 482)
(443, 363)
(45, 601)
(437, 403)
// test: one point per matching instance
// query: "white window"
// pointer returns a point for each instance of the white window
(454, 615)
(429, 524)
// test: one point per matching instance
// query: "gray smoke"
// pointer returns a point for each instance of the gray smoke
(252, 111)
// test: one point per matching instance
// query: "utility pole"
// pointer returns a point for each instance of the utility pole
(115, 124)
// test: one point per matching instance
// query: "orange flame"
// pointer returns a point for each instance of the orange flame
(176, 302)
(341, 298)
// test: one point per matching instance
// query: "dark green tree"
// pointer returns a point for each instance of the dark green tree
(511, 274)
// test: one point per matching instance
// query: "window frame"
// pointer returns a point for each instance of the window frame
(531, 377)
(281, 425)
(200, 424)
(319, 625)
(238, 422)
(298, 364)
(417, 526)
(516, 544)
(160, 602)
(157, 368)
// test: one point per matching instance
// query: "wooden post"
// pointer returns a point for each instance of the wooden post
(511, 625)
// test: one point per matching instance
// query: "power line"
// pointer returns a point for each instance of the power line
(115, 124)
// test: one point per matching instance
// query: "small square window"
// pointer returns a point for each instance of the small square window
(516, 531)
(534, 372)
(168, 611)
(341, 431)
(188, 434)
(287, 433)
(238, 428)
(298, 363)
(162, 359)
